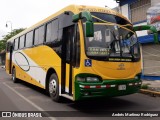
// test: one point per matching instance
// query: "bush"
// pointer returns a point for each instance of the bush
(144, 86)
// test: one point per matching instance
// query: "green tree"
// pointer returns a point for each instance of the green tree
(8, 36)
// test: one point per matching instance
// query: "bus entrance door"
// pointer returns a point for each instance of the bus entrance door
(67, 54)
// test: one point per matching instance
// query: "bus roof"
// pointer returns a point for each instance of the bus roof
(75, 9)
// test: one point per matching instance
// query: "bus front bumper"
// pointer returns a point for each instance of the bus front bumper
(108, 88)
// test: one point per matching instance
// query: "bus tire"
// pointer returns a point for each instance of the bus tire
(14, 79)
(53, 87)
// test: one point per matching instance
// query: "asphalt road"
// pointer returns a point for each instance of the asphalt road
(25, 97)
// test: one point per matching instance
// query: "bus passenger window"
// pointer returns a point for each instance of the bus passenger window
(52, 31)
(21, 45)
(16, 44)
(29, 39)
(54, 35)
(36, 37)
(39, 35)
(48, 34)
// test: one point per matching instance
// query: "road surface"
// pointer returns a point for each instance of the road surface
(25, 97)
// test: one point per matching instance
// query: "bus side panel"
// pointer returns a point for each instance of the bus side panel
(41, 58)
(22, 75)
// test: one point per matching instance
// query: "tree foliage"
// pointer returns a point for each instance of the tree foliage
(8, 36)
(2, 45)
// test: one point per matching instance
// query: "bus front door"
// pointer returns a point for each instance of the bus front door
(66, 65)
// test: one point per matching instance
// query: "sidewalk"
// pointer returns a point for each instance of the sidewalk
(152, 87)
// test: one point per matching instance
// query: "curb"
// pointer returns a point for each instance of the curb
(150, 92)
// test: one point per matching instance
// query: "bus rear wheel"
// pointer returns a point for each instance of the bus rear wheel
(53, 88)
(14, 79)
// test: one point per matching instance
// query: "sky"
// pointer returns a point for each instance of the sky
(25, 13)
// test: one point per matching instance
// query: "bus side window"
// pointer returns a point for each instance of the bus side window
(49, 32)
(54, 36)
(29, 39)
(21, 45)
(16, 44)
(36, 37)
(39, 35)
(52, 31)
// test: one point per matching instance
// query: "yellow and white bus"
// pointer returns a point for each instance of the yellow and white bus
(80, 52)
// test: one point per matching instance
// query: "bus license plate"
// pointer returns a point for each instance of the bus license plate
(122, 87)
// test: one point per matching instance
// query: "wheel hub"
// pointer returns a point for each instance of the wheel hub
(53, 86)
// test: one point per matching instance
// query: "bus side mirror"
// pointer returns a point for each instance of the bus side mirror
(148, 27)
(89, 27)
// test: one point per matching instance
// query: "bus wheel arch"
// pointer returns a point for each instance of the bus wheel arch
(52, 84)
(49, 73)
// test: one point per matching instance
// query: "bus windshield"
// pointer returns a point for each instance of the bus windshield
(113, 38)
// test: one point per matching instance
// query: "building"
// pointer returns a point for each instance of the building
(136, 11)
(142, 12)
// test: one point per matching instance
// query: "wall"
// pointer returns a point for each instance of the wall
(124, 10)
(150, 51)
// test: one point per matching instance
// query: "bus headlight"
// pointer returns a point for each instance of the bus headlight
(80, 79)
(92, 79)
(88, 78)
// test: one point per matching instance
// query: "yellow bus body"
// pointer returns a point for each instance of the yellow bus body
(41, 58)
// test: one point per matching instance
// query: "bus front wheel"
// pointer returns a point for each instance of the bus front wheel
(14, 79)
(54, 87)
